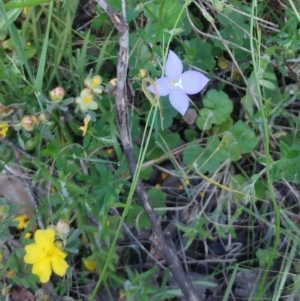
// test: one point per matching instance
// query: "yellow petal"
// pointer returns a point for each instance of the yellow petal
(59, 265)
(3, 129)
(45, 239)
(58, 253)
(34, 253)
(42, 269)
(96, 81)
(85, 126)
(90, 264)
(22, 221)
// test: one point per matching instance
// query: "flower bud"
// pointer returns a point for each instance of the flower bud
(28, 122)
(57, 94)
(42, 118)
(112, 85)
(62, 227)
(10, 274)
(59, 244)
(113, 82)
(143, 73)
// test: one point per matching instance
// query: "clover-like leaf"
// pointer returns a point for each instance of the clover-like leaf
(218, 108)
(240, 140)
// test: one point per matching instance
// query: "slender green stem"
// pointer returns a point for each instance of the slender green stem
(256, 69)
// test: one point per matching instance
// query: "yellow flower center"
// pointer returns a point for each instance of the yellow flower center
(95, 82)
(87, 99)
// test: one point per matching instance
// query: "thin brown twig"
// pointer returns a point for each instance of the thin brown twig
(122, 101)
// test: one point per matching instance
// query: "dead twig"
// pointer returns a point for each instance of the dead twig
(158, 239)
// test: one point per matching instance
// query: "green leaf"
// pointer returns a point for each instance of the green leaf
(146, 173)
(23, 4)
(18, 43)
(208, 159)
(205, 121)
(218, 108)
(264, 256)
(162, 143)
(240, 140)
(267, 84)
(199, 52)
(190, 135)
(11, 17)
(284, 149)
(166, 13)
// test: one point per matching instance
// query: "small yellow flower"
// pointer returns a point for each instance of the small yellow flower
(90, 264)
(28, 122)
(45, 256)
(94, 84)
(57, 94)
(23, 221)
(3, 129)
(86, 121)
(86, 101)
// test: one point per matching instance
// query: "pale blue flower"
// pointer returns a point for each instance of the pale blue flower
(177, 84)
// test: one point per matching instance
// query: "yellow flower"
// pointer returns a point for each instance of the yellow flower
(86, 101)
(23, 221)
(94, 84)
(45, 256)
(86, 121)
(3, 129)
(90, 264)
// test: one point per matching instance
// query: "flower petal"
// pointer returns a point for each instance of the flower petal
(59, 265)
(162, 85)
(42, 269)
(93, 105)
(85, 92)
(34, 253)
(45, 239)
(179, 101)
(174, 66)
(90, 264)
(58, 253)
(193, 82)
(88, 82)
(96, 81)
(83, 108)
